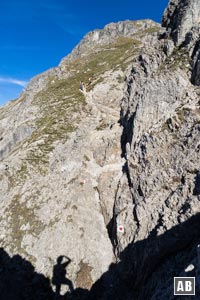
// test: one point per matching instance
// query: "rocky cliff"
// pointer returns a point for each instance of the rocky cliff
(105, 181)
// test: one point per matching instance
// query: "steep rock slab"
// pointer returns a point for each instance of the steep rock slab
(182, 22)
(180, 18)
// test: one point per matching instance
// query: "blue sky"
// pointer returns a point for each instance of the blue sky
(37, 34)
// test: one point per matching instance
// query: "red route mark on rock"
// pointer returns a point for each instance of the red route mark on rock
(83, 181)
(120, 228)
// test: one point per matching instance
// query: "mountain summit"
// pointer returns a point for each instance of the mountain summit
(100, 170)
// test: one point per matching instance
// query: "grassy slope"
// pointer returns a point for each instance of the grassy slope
(61, 101)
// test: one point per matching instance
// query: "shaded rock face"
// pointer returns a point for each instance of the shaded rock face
(20, 281)
(101, 186)
(196, 64)
(182, 22)
(181, 17)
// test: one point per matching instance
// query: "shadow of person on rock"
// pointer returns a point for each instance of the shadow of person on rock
(59, 275)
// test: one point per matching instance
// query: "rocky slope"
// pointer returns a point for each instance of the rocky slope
(77, 165)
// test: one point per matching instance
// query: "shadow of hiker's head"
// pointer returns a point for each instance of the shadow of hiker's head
(59, 259)
(63, 259)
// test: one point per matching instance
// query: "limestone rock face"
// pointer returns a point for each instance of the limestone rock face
(182, 22)
(108, 34)
(180, 17)
(106, 177)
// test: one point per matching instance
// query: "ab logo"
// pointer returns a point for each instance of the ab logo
(184, 285)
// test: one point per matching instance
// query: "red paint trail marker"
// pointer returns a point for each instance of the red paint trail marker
(120, 228)
(82, 182)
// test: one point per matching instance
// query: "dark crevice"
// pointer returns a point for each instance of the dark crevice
(110, 226)
(127, 133)
(125, 170)
(136, 220)
(159, 224)
(196, 190)
(110, 230)
(196, 49)
(196, 64)
(185, 207)
(183, 180)
(126, 122)
(140, 192)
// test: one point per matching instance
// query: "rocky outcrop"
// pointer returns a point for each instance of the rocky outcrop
(105, 180)
(182, 22)
(180, 18)
(108, 34)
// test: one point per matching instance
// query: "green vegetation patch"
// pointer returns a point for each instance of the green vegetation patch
(62, 98)
(166, 126)
(20, 215)
(86, 158)
(102, 126)
(61, 101)
(178, 59)
(182, 113)
(148, 31)
(18, 177)
(107, 58)
(58, 102)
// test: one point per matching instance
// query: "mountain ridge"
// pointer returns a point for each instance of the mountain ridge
(108, 175)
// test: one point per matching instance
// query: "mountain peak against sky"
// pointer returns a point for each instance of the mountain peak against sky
(36, 35)
(108, 34)
(100, 169)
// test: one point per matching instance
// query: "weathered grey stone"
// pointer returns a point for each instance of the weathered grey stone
(180, 17)
(108, 35)
(78, 166)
